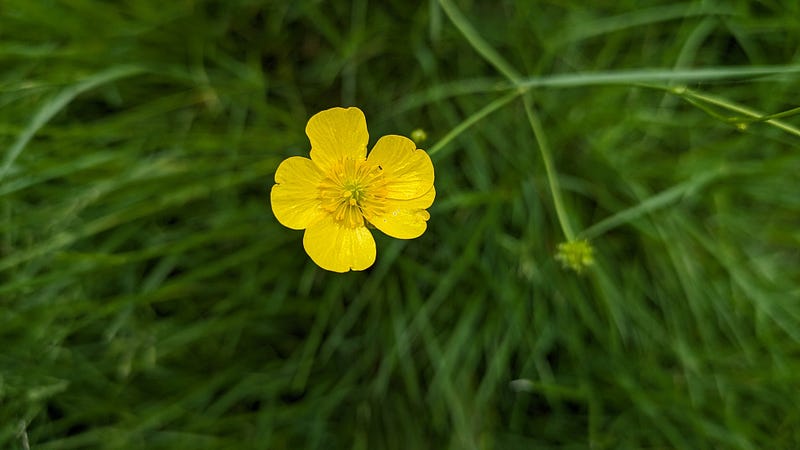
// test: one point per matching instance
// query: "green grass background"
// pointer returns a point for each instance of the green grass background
(149, 298)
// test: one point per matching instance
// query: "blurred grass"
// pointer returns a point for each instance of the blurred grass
(149, 299)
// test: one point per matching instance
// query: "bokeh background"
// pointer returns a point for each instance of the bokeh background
(149, 298)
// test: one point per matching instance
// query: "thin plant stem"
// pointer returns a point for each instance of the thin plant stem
(495, 59)
(702, 100)
(472, 120)
(552, 178)
(478, 43)
(722, 103)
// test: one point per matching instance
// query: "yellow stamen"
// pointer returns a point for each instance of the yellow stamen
(352, 191)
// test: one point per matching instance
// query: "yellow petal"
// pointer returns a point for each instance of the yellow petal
(337, 133)
(405, 219)
(407, 170)
(339, 248)
(294, 198)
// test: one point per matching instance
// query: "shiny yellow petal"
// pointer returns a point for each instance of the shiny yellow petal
(405, 219)
(407, 170)
(339, 248)
(337, 133)
(294, 198)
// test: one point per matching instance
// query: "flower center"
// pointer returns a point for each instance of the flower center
(353, 190)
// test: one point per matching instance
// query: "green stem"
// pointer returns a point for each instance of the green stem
(722, 103)
(495, 59)
(552, 178)
(478, 43)
(471, 120)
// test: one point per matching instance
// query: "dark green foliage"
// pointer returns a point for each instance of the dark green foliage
(149, 299)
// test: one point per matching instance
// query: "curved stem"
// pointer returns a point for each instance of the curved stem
(552, 178)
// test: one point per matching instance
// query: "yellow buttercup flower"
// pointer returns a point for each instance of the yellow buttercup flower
(340, 190)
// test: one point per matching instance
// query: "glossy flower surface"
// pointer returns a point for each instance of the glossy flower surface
(340, 190)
